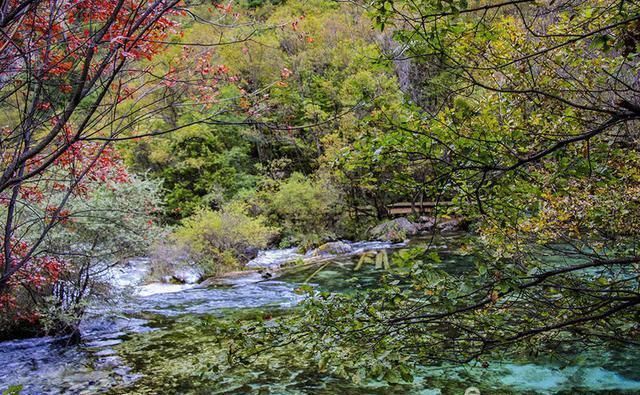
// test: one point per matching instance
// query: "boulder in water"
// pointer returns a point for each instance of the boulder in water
(451, 225)
(266, 274)
(249, 253)
(426, 224)
(394, 230)
(333, 248)
(188, 275)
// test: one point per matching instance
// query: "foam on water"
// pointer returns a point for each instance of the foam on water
(130, 275)
(161, 288)
(274, 259)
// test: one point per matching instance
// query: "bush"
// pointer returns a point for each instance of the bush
(221, 241)
(307, 210)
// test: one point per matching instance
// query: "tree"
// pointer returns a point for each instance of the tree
(75, 78)
(62, 73)
(541, 116)
(534, 136)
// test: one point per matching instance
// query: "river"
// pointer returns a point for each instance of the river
(161, 341)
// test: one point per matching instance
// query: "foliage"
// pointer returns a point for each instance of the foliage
(300, 92)
(102, 229)
(73, 81)
(533, 135)
(307, 210)
(60, 64)
(523, 114)
(13, 390)
(222, 240)
(363, 334)
(259, 3)
(200, 166)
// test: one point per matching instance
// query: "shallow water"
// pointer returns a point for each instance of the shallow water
(165, 343)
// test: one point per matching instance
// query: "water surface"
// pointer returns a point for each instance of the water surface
(166, 343)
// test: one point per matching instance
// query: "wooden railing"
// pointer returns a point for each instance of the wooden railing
(404, 208)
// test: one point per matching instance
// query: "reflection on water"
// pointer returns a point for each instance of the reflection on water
(160, 343)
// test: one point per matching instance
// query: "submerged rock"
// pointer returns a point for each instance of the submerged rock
(394, 230)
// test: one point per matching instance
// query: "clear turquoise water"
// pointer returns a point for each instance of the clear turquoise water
(165, 344)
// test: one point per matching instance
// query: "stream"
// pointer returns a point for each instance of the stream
(160, 340)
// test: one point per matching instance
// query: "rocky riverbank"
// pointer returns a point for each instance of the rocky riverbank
(139, 275)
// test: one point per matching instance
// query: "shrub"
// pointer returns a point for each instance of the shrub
(223, 240)
(307, 210)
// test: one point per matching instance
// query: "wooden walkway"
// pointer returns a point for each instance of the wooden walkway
(404, 208)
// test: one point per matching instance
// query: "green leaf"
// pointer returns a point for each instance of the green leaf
(13, 390)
